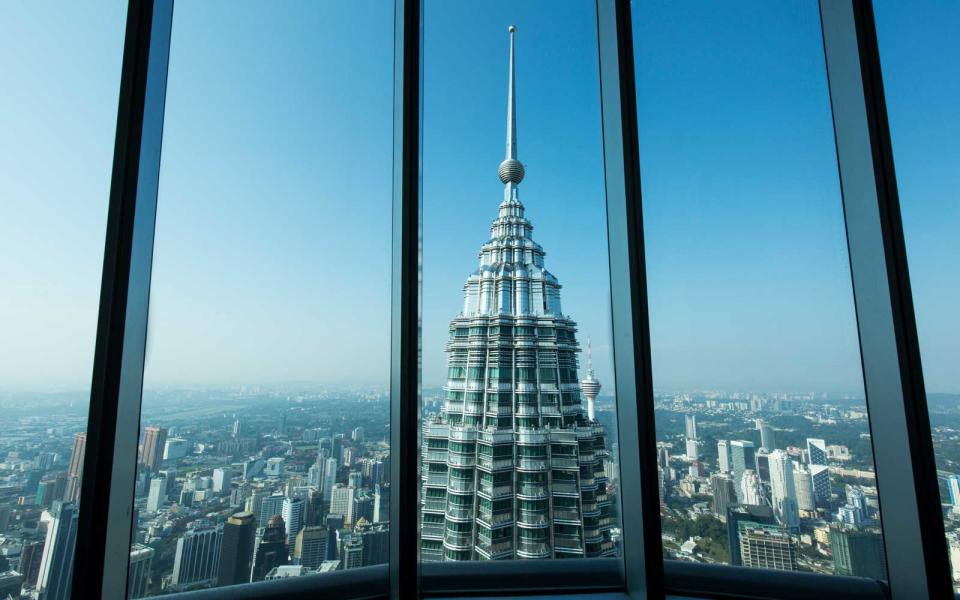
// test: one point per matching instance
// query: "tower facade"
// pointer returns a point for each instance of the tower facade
(512, 467)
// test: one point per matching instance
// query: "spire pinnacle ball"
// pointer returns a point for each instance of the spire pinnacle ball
(511, 29)
(511, 171)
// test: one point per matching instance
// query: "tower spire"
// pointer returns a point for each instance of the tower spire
(511, 169)
(590, 386)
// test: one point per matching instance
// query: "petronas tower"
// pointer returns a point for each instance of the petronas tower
(512, 467)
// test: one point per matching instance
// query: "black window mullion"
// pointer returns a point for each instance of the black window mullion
(907, 485)
(405, 304)
(104, 527)
(642, 554)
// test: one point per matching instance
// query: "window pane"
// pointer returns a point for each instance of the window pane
(60, 77)
(764, 441)
(264, 445)
(920, 58)
(519, 419)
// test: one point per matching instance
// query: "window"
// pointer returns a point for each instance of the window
(60, 70)
(337, 390)
(920, 61)
(531, 71)
(764, 446)
(265, 426)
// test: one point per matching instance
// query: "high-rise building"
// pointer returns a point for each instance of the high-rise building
(56, 564)
(197, 561)
(816, 451)
(138, 572)
(751, 490)
(310, 548)
(351, 551)
(953, 489)
(154, 443)
(221, 480)
(75, 470)
(767, 441)
(692, 449)
(175, 448)
(272, 551)
(803, 482)
(783, 488)
(512, 466)
(742, 517)
(742, 457)
(236, 551)
(381, 503)
(157, 496)
(723, 456)
(341, 502)
(822, 489)
(329, 477)
(858, 553)
(765, 548)
(11, 583)
(30, 557)
(376, 542)
(690, 425)
(724, 495)
(270, 507)
(294, 515)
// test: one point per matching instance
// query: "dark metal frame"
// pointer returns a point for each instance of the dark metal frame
(405, 305)
(109, 469)
(903, 451)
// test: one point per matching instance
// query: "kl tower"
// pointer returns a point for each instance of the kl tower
(590, 386)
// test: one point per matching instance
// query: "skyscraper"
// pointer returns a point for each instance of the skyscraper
(723, 456)
(270, 507)
(56, 564)
(311, 546)
(767, 440)
(236, 552)
(381, 503)
(341, 502)
(157, 495)
(817, 451)
(784, 490)
(154, 443)
(138, 574)
(724, 495)
(742, 517)
(329, 477)
(765, 548)
(221, 480)
(75, 471)
(272, 551)
(690, 426)
(294, 515)
(742, 457)
(858, 553)
(197, 561)
(512, 466)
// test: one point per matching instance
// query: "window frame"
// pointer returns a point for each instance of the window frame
(903, 449)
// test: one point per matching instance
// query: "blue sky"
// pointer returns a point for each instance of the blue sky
(272, 250)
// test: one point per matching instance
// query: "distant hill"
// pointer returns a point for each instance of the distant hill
(943, 402)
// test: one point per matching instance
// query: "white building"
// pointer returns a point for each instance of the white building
(783, 489)
(157, 496)
(221, 480)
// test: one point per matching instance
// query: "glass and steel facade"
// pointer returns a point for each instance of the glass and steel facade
(513, 465)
